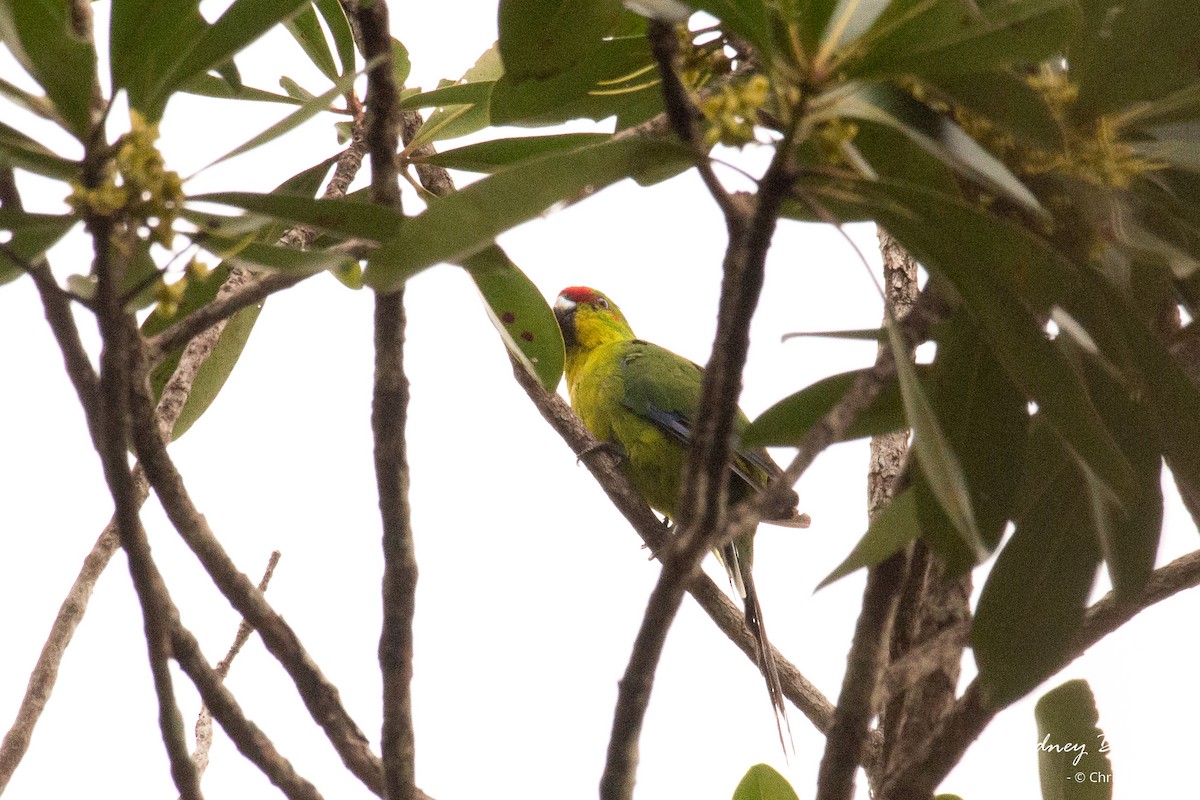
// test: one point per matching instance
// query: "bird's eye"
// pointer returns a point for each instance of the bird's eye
(602, 303)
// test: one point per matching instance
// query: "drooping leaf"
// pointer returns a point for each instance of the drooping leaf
(935, 454)
(339, 27)
(937, 135)
(39, 35)
(1073, 762)
(401, 63)
(31, 236)
(763, 782)
(520, 313)
(306, 30)
(984, 419)
(943, 38)
(499, 153)
(543, 38)
(454, 227)
(1034, 598)
(890, 531)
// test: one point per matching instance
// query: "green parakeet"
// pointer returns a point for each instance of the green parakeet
(644, 399)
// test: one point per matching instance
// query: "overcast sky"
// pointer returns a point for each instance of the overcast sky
(531, 586)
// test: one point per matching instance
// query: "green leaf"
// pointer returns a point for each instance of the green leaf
(291, 121)
(145, 39)
(937, 135)
(401, 63)
(211, 86)
(618, 75)
(762, 782)
(543, 38)
(942, 38)
(160, 46)
(499, 153)
(34, 104)
(985, 421)
(890, 531)
(847, 21)
(247, 252)
(1126, 53)
(988, 262)
(862, 334)
(461, 120)
(295, 90)
(935, 456)
(452, 95)
(1034, 599)
(39, 35)
(218, 366)
(339, 27)
(1128, 535)
(1073, 762)
(454, 227)
(520, 313)
(240, 25)
(26, 237)
(201, 291)
(365, 220)
(892, 153)
(18, 150)
(306, 30)
(788, 421)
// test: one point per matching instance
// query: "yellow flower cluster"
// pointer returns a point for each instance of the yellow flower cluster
(137, 187)
(733, 110)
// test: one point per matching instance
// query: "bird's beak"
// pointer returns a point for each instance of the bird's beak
(564, 312)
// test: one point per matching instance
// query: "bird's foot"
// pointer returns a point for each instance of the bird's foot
(614, 450)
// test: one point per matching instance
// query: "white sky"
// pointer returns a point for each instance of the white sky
(531, 585)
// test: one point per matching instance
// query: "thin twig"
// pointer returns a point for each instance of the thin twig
(204, 718)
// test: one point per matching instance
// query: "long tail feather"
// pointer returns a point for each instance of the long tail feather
(766, 659)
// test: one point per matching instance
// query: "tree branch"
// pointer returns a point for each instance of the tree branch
(389, 416)
(920, 776)
(119, 337)
(320, 696)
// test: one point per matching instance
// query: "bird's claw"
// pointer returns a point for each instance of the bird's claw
(612, 449)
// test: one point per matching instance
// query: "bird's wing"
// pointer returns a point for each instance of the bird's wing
(664, 388)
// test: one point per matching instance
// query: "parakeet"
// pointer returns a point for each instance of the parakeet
(643, 399)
